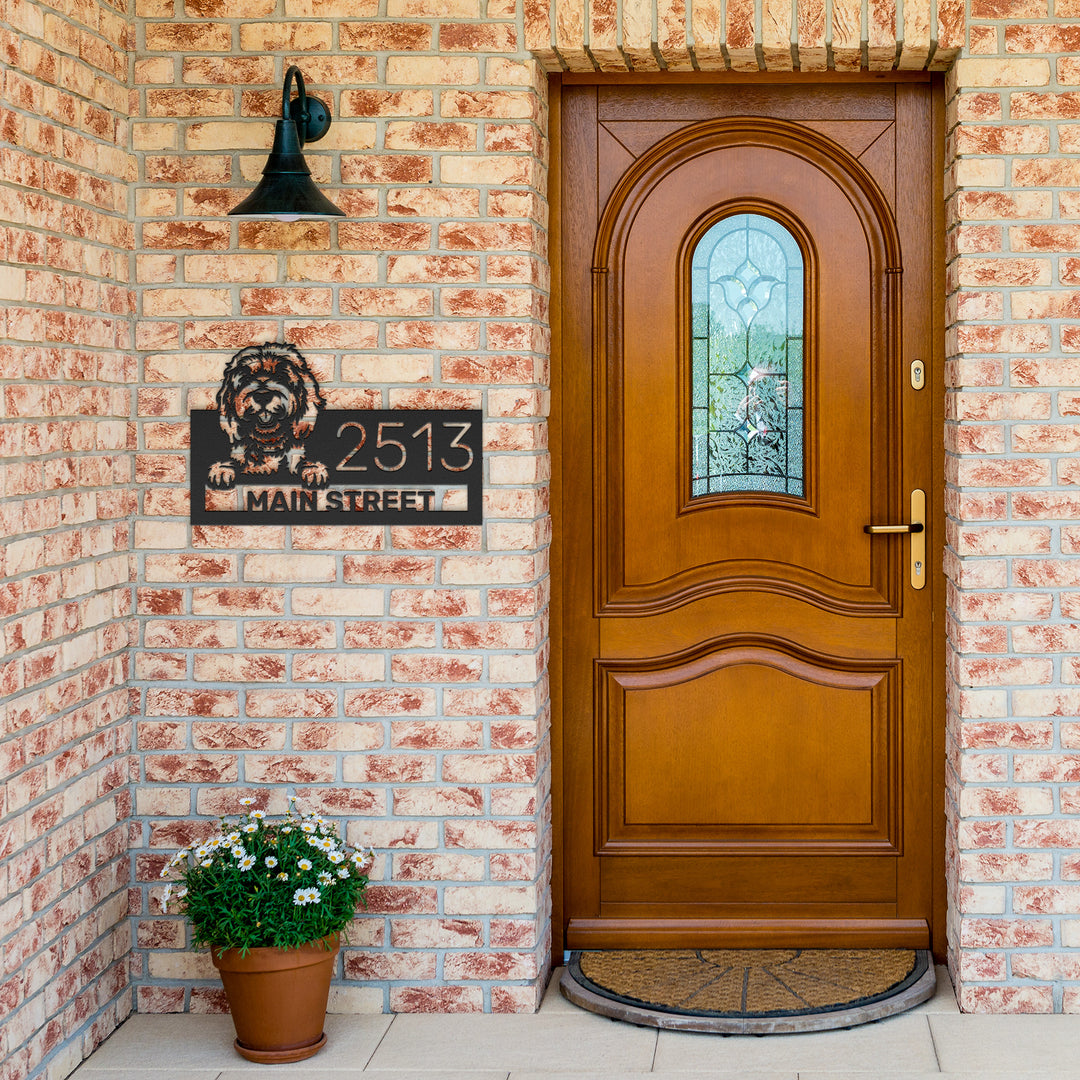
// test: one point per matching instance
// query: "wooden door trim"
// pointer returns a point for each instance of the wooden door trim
(864, 932)
(748, 934)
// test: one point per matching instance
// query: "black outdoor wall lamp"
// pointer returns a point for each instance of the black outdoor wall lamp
(286, 190)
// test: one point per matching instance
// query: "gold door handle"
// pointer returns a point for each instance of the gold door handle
(917, 529)
(875, 530)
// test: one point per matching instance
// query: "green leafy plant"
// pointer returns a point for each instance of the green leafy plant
(279, 882)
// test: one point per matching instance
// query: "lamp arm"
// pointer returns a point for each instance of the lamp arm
(295, 73)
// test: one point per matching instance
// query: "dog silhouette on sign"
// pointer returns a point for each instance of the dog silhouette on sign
(267, 405)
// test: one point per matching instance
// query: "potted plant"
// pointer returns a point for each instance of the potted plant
(271, 897)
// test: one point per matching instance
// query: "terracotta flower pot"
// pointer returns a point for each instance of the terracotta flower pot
(278, 998)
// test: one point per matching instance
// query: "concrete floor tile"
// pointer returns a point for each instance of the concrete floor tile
(427, 1074)
(553, 1001)
(175, 1042)
(899, 1044)
(90, 1071)
(559, 1043)
(944, 999)
(307, 1071)
(165, 1043)
(720, 1075)
(863, 1074)
(968, 1044)
(887, 1075)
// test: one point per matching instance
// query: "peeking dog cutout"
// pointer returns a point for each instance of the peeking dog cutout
(267, 405)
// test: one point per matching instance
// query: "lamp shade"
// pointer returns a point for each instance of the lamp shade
(286, 190)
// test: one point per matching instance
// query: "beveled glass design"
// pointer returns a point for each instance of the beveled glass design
(746, 287)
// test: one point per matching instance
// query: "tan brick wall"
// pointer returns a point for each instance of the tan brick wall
(1011, 441)
(67, 373)
(393, 677)
(741, 35)
(396, 677)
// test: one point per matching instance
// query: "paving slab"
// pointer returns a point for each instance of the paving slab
(982, 1074)
(277, 1072)
(995, 1044)
(558, 1043)
(143, 1072)
(899, 1044)
(721, 1075)
(862, 1074)
(151, 1044)
(553, 1001)
(944, 999)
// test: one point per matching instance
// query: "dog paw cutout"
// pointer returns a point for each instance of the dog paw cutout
(314, 474)
(221, 475)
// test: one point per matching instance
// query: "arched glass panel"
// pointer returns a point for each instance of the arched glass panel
(747, 347)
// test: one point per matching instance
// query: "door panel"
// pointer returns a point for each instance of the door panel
(746, 674)
(763, 788)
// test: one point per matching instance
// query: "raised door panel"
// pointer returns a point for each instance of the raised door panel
(747, 747)
(658, 545)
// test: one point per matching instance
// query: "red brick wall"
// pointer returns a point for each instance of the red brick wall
(392, 677)
(67, 373)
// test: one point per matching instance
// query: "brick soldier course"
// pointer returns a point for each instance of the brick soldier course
(395, 677)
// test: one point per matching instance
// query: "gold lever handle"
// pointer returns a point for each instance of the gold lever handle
(914, 527)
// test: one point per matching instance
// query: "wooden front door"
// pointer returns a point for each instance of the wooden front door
(748, 676)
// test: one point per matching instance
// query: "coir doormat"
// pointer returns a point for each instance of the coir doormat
(749, 991)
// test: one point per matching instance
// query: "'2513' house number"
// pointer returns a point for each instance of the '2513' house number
(271, 453)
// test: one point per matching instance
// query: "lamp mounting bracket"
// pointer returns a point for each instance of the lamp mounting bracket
(311, 116)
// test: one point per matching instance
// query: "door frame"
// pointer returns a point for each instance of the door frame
(557, 434)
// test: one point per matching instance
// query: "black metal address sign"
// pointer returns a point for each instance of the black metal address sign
(272, 454)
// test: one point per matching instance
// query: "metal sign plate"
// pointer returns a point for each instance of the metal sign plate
(356, 467)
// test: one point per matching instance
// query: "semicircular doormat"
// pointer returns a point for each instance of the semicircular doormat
(749, 991)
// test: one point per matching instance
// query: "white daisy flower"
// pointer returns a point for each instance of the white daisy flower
(283, 876)
(325, 878)
(343, 872)
(258, 815)
(247, 862)
(207, 863)
(251, 827)
(238, 851)
(271, 861)
(247, 802)
(232, 837)
(306, 896)
(309, 827)
(287, 829)
(336, 857)
(304, 864)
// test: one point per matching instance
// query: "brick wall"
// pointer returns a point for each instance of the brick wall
(1014, 580)
(391, 677)
(66, 375)
(396, 677)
